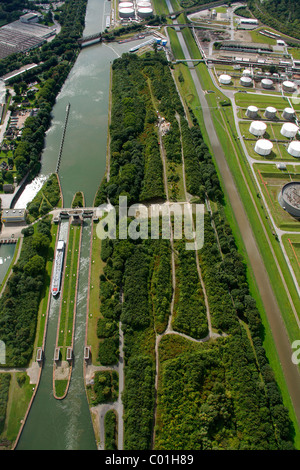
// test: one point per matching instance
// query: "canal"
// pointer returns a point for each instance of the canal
(83, 159)
(66, 424)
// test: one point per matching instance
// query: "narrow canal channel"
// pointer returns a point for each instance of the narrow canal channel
(66, 424)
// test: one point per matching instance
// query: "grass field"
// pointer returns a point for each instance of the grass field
(69, 288)
(97, 266)
(292, 245)
(271, 183)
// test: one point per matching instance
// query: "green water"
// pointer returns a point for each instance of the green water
(66, 424)
(6, 256)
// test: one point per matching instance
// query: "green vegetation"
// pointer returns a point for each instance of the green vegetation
(282, 15)
(78, 200)
(19, 303)
(46, 199)
(4, 388)
(60, 387)
(110, 425)
(105, 388)
(189, 307)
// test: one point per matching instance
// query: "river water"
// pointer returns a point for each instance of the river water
(83, 160)
(66, 424)
(6, 256)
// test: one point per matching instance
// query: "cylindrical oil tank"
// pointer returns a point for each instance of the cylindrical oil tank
(288, 86)
(252, 112)
(145, 12)
(270, 112)
(247, 73)
(263, 147)
(246, 81)
(257, 128)
(224, 79)
(267, 83)
(289, 130)
(126, 12)
(288, 114)
(294, 148)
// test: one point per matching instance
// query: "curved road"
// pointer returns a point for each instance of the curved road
(283, 346)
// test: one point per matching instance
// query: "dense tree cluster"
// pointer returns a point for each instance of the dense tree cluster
(283, 15)
(189, 315)
(201, 176)
(105, 387)
(110, 425)
(11, 10)
(4, 388)
(20, 301)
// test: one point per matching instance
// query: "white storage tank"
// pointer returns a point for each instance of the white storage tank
(294, 148)
(258, 128)
(247, 73)
(224, 79)
(289, 130)
(267, 83)
(145, 12)
(252, 112)
(143, 4)
(270, 112)
(246, 81)
(126, 12)
(288, 114)
(288, 86)
(263, 147)
(125, 5)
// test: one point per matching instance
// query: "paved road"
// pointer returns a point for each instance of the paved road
(282, 342)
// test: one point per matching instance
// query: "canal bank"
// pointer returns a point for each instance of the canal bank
(66, 424)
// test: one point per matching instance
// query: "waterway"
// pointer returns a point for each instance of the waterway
(66, 424)
(6, 256)
(83, 160)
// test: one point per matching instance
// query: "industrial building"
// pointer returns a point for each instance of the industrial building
(14, 216)
(245, 47)
(22, 36)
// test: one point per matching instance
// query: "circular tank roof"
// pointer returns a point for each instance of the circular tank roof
(294, 148)
(258, 125)
(263, 147)
(125, 5)
(291, 196)
(289, 129)
(253, 108)
(288, 84)
(143, 4)
(267, 82)
(225, 78)
(270, 109)
(145, 10)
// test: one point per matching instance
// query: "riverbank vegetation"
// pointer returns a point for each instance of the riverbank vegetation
(45, 200)
(19, 303)
(110, 425)
(4, 388)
